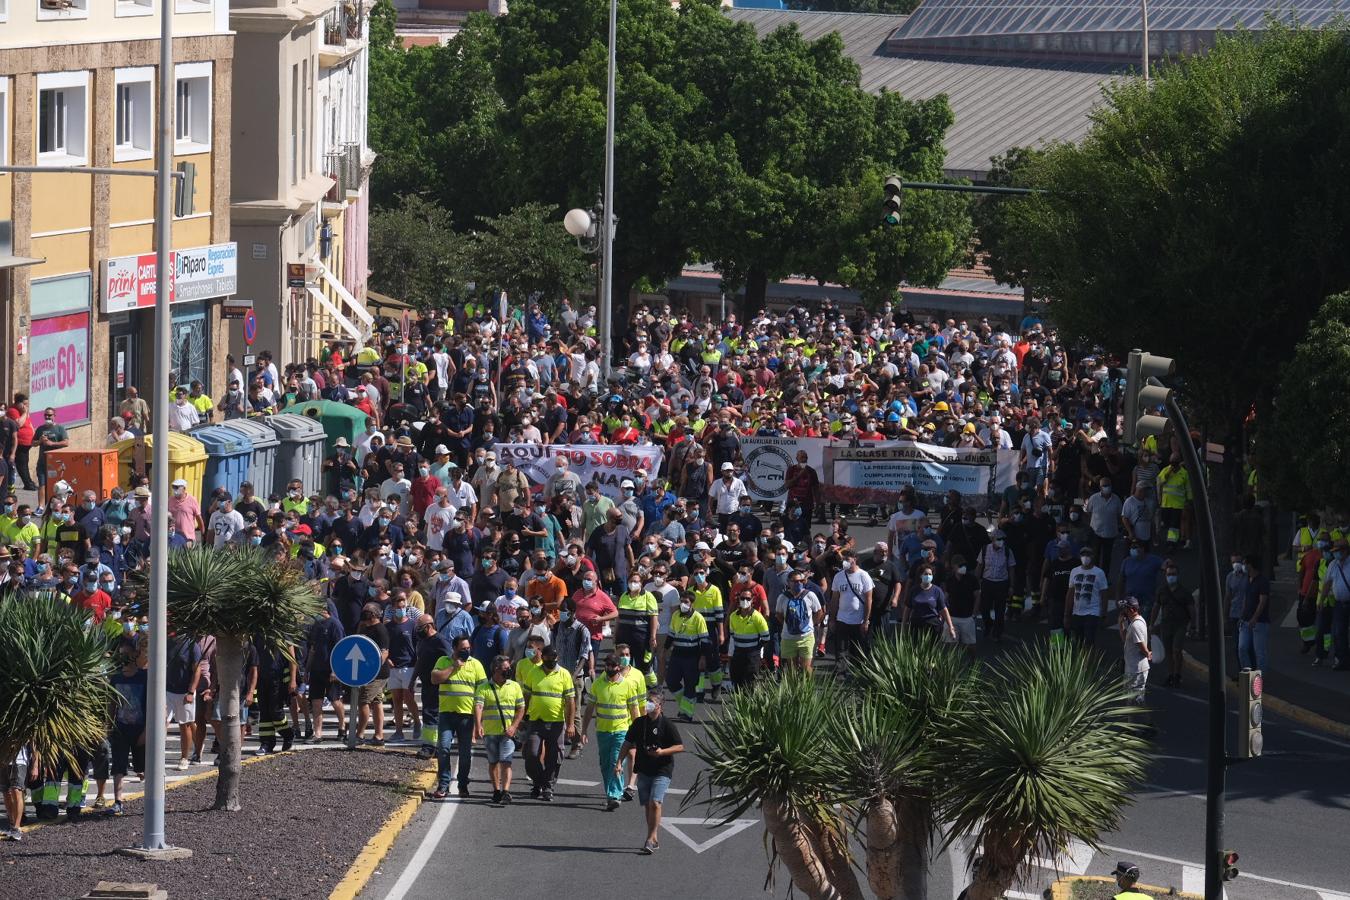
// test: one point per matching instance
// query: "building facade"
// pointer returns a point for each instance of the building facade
(301, 174)
(79, 83)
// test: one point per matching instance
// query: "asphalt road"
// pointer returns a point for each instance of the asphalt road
(1286, 816)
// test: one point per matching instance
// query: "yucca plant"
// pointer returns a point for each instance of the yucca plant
(767, 747)
(236, 595)
(1043, 753)
(909, 690)
(55, 692)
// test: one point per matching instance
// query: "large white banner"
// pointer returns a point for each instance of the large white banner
(875, 471)
(609, 465)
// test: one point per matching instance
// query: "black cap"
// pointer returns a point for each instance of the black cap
(1126, 869)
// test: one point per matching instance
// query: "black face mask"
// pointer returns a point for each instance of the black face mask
(550, 662)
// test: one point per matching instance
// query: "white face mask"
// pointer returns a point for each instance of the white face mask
(686, 608)
(745, 604)
(650, 707)
(1086, 561)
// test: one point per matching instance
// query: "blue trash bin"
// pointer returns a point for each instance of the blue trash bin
(228, 453)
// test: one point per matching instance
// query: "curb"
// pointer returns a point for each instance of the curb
(375, 850)
(168, 786)
(1063, 888)
(1304, 717)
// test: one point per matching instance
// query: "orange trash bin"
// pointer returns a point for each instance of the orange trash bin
(83, 470)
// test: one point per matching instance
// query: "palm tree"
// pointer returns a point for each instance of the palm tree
(1023, 757)
(235, 595)
(55, 692)
(1044, 753)
(909, 691)
(766, 747)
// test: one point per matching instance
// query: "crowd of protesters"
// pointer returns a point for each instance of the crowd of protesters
(520, 614)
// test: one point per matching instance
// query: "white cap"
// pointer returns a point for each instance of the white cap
(787, 545)
(452, 597)
(626, 483)
(702, 545)
(728, 467)
(177, 482)
(442, 450)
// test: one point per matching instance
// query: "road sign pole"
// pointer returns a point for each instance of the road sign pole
(353, 716)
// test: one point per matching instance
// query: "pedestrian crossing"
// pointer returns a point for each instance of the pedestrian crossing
(134, 784)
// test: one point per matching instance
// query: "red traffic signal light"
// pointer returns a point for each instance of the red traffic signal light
(1229, 867)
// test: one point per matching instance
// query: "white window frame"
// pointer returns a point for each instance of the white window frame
(192, 134)
(4, 118)
(192, 6)
(140, 81)
(134, 8)
(75, 86)
(78, 9)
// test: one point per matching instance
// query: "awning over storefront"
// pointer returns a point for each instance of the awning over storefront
(383, 304)
(355, 309)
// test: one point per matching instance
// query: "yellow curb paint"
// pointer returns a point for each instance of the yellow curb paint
(186, 779)
(1305, 717)
(1063, 888)
(375, 850)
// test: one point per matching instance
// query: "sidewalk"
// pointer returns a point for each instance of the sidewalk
(1294, 687)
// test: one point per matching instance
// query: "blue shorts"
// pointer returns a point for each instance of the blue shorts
(499, 748)
(652, 788)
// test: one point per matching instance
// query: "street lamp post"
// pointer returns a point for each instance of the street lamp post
(1143, 9)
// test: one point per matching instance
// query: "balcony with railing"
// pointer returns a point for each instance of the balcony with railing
(342, 164)
(343, 32)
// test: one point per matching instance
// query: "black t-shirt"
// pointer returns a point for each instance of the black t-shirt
(1057, 588)
(646, 735)
(380, 635)
(960, 591)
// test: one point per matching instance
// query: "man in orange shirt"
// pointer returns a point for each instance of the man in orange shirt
(544, 589)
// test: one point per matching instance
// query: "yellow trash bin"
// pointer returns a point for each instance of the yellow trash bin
(187, 459)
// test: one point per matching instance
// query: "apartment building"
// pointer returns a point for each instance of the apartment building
(79, 83)
(301, 172)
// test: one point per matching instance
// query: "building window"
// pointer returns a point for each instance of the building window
(192, 108)
(133, 136)
(4, 10)
(295, 123)
(135, 7)
(62, 9)
(192, 6)
(61, 120)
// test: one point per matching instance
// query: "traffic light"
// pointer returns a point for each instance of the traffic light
(1249, 714)
(1228, 864)
(891, 204)
(1140, 395)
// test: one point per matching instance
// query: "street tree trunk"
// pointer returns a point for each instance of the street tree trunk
(800, 852)
(914, 824)
(756, 292)
(996, 871)
(229, 663)
(884, 874)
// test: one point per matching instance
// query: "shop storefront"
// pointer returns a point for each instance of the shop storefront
(59, 345)
(199, 275)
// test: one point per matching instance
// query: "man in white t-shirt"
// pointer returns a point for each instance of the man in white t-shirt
(904, 520)
(226, 522)
(1087, 596)
(440, 520)
(1138, 656)
(850, 608)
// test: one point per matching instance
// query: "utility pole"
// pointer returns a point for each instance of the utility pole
(605, 308)
(1143, 8)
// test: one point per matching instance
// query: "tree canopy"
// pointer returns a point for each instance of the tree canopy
(1203, 218)
(762, 155)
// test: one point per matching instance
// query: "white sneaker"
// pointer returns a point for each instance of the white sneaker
(183, 765)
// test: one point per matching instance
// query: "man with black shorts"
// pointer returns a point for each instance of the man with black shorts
(850, 608)
(323, 637)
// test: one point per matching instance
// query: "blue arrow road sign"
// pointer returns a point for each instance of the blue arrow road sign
(355, 660)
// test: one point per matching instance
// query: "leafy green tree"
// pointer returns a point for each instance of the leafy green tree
(526, 253)
(237, 596)
(396, 124)
(1204, 218)
(1310, 402)
(1018, 758)
(991, 216)
(415, 254)
(54, 671)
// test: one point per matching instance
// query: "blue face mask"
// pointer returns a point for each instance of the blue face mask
(255, 540)
(510, 592)
(384, 523)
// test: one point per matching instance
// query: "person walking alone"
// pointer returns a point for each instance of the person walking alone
(499, 708)
(616, 705)
(651, 744)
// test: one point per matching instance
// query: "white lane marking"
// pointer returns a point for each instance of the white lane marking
(430, 841)
(1245, 873)
(1332, 895)
(1322, 738)
(1073, 861)
(1173, 791)
(577, 783)
(731, 829)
